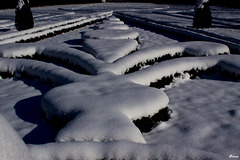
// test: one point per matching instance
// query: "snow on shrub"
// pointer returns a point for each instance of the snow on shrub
(112, 20)
(109, 50)
(110, 34)
(112, 23)
(24, 17)
(231, 64)
(113, 26)
(11, 145)
(102, 109)
(170, 67)
(146, 124)
(166, 70)
(62, 53)
(158, 53)
(202, 17)
(75, 57)
(46, 72)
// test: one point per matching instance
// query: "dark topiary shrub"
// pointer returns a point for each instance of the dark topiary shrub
(202, 17)
(24, 17)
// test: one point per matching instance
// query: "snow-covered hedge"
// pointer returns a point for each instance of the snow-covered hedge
(86, 107)
(180, 65)
(109, 50)
(44, 71)
(110, 34)
(142, 57)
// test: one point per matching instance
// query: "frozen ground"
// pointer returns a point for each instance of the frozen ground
(76, 95)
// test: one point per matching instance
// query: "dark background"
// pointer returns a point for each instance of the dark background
(34, 3)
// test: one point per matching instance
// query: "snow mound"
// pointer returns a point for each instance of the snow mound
(110, 34)
(109, 50)
(12, 146)
(86, 103)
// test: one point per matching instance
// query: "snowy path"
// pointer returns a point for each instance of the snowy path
(183, 30)
(95, 113)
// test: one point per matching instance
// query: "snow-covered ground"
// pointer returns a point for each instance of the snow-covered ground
(76, 89)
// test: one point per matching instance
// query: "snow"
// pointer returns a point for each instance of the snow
(205, 48)
(109, 50)
(113, 26)
(48, 29)
(12, 93)
(168, 68)
(112, 23)
(12, 146)
(95, 112)
(118, 149)
(110, 34)
(87, 102)
(20, 4)
(231, 65)
(179, 20)
(194, 48)
(45, 71)
(200, 3)
(204, 119)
